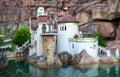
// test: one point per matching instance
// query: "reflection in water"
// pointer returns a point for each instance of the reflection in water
(22, 69)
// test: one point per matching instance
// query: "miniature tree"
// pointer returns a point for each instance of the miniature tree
(22, 35)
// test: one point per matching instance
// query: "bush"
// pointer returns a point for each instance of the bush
(12, 47)
(21, 35)
(101, 39)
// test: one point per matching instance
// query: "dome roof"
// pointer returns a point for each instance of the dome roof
(66, 17)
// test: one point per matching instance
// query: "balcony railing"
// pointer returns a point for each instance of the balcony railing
(86, 35)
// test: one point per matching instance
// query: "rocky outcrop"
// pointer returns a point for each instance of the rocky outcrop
(42, 62)
(91, 27)
(65, 58)
(106, 60)
(113, 44)
(83, 17)
(18, 12)
(82, 58)
(86, 58)
(75, 59)
(57, 61)
(106, 29)
(107, 10)
(100, 9)
(118, 32)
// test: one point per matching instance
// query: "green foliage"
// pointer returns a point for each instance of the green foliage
(101, 39)
(12, 47)
(2, 31)
(21, 35)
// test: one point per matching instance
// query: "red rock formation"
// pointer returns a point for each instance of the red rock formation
(107, 29)
(19, 11)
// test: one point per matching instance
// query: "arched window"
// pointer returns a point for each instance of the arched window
(65, 28)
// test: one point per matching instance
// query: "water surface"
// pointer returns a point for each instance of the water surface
(23, 69)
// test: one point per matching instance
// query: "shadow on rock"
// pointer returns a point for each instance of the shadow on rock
(65, 58)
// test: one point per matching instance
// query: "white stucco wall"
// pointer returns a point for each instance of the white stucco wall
(90, 47)
(36, 36)
(32, 51)
(33, 39)
(73, 48)
(64, 35)
(39, 38)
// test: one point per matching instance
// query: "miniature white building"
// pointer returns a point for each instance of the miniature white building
(36, 39)
(43, 37)
(67, 28)
(89, 44)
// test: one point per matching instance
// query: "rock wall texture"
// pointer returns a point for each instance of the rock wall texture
(93, 15)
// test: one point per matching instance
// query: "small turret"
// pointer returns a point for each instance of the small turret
(40, 11)
(67, 28)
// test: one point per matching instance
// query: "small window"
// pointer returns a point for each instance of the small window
(62, 28)
(73, 46)
(65, 28)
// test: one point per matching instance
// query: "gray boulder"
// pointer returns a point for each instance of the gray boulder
(65, 58)
(57, 61)
(75, 59)
(85, 58)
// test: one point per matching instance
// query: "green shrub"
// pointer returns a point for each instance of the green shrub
(12, 47)
(2, 31)
(101, 39)
(21, 35)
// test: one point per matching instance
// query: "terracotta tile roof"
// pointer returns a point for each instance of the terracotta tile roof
(66, 17)
(43, 19)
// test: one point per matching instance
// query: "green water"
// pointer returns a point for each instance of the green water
(22, 69)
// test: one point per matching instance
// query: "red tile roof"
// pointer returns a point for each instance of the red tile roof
(43, 19)
(66, 17)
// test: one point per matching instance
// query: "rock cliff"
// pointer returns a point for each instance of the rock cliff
(93, 15)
